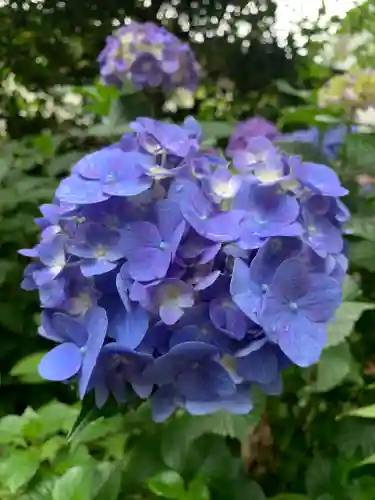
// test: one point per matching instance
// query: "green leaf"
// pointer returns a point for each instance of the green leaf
(364, 412)
(318, 477)
(289, 496)
(284, 87)
(350, 289)
(356, 436)
(75, 484)
(51, 447)
(5, 164)
(363, 227)
(363, 488)
(5, 267)
(110, 486)
(334, 365)
(17, 469)
(216, 130)
(27, 369)
(346, 317)
(249, 490)
(167, 484)
(42, 491)
(360, 153)
(184, 429)
(367, 461)
(362, 254)
(87, 414)
(198, 491)
(56, 416)
(99, 428)
(11, 429)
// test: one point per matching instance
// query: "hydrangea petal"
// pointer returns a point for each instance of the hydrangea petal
(61, 363)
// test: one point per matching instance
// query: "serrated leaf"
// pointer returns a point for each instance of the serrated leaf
(334, 365)
(75, 484)
(17, 469)
(27, 369)
(167, 484)
(346, 317)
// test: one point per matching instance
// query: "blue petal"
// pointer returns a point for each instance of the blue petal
(61, 363)
(180, 357)
(260, 366)
(133, 328)
(95, 267)
(128, 187)
(69, 329)
(245, 293)
(96, 323)
(205, 382)
(322, 300)
(302, 341)
(163, 403)
(75, 189)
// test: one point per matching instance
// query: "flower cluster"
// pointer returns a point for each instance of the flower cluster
(349, 91)
(244, 131)
(149, 56)
(329, 142)
(167, 272)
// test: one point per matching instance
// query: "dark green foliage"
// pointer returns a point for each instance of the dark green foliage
(316, 441)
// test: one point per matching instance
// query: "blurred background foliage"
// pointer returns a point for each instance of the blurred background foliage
(317, 441)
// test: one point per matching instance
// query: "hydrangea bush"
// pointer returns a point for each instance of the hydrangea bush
(173, 274)
(148, 55)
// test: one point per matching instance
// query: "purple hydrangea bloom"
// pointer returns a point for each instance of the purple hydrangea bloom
(169, 273)
(253, 127)
(148, 55)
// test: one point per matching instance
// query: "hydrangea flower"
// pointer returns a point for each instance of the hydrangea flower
(148, 55)
(253, 127)
(170, 273)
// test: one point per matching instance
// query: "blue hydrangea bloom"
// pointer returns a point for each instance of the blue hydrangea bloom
(149, 56)
(177, 276)
(329, 142)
